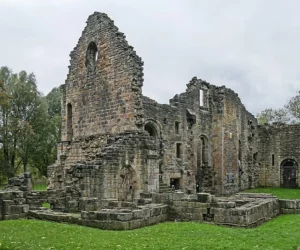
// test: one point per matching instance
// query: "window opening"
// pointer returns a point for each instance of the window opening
(151, 130)
(69, 122)
(201, 97)
(177, 127)
(91, 57)
(179, 150)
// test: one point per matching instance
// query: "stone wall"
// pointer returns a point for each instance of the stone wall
(276, 144)
(217, 137)
(13, 204)
(242, 210)
(289, 206)
(126, 166)
(102, 93)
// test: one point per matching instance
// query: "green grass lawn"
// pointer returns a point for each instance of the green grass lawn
(280, 233)
(40, 187)
(282, 193)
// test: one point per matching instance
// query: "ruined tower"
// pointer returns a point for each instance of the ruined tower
(104, 152)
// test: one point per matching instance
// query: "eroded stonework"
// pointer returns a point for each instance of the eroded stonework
(118, 144)
(126, 161)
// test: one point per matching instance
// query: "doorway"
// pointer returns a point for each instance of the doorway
(175, 182)
(289, 173)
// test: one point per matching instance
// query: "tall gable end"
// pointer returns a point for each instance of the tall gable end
(104, 81)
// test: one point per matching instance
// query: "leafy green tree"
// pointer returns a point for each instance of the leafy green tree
(273, 116)
(290, 113)
(293, 106)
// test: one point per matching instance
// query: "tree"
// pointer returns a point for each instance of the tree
(290, 113)
(273, 116)
(29, 124)
(293, 107)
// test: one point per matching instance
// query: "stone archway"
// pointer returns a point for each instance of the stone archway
(128, 184)
(289, 173)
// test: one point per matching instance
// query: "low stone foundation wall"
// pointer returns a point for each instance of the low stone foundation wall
(242, 210)
(253, 213)
(289, 206)
(13, 205)
(124, 219)
(109, 219)
(36, 199)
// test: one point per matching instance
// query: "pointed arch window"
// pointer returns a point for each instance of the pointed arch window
(91, 58)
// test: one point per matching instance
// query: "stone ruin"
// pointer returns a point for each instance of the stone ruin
(126, 161)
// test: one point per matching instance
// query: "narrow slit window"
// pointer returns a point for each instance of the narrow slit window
(201, 98)
(69, 122)
(177, 127)
(273, 160)
(179, 150)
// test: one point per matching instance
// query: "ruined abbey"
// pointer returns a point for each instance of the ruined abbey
(120, 146)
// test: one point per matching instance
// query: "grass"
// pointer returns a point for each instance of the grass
(280, 233)
(40, 187)
(46, 205)
(282, 193)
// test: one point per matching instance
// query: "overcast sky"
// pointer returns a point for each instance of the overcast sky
(251, 46)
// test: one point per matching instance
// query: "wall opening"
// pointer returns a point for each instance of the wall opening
(289, 173)
(177, 127)
(240, 151)
(201, 97)
(179, 150)
(91, 58)
(273, 160)
(69, 122)
(175, 183)
(204, 150)
(128, 184)
(150, 128)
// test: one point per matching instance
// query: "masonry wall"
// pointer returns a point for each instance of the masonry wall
(281, 141)
(102, 93)
(237, 145)
(103, 153)
(217, 137)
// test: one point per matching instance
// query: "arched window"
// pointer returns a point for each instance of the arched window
(91, 57)
(150, 128)
(69, 122)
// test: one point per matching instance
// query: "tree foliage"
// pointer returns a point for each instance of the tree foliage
(29, 125)
(290, 113)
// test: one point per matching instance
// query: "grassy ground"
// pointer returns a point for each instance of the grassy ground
(280, 233)
(36, 187)
(40, 187)
(282, 193)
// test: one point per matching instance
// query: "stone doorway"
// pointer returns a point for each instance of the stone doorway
(128, 185)
(289, 173)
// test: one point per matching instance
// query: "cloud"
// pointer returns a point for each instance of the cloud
(248, 46)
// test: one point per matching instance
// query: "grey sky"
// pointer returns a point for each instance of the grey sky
(250, 46)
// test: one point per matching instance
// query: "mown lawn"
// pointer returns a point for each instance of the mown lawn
(280, 233)
(282, 193)
(40, 187)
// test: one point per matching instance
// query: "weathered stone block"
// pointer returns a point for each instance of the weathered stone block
(6, 195)
(138, 214)
(134, 224)
(6, 205)
(203, 197)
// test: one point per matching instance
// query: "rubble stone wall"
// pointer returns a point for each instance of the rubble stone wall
(103, 87)
(280, 142)
(217, 137)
